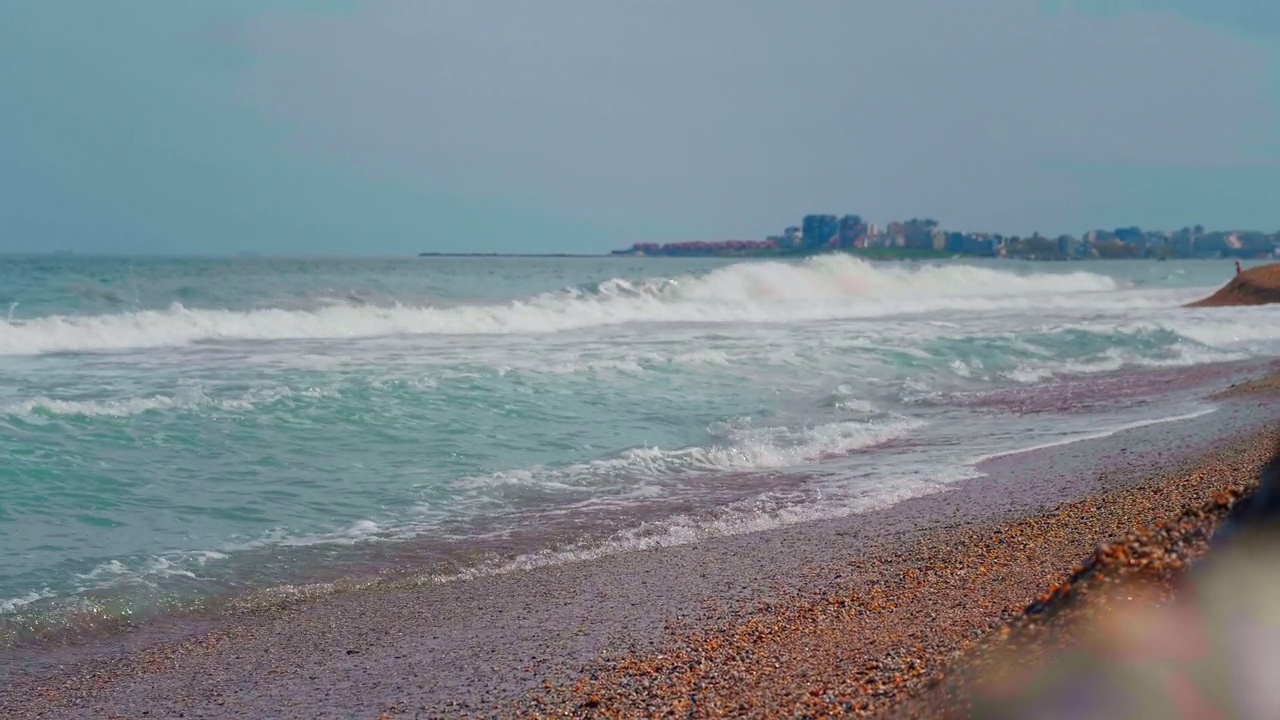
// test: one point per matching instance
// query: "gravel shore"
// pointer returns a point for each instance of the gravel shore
(890, 634)
(860, 614)
(895, 623)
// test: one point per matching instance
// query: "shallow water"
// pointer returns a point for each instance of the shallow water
(175, 428)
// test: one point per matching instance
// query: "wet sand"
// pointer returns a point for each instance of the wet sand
(852, 614)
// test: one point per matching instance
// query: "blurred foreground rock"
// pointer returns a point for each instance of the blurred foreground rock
(1208, 649)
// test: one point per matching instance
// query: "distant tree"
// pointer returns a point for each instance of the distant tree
(1041, 246)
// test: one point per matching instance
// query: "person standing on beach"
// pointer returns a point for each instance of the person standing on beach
(1239, 269)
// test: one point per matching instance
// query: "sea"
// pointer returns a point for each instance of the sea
(176, 433)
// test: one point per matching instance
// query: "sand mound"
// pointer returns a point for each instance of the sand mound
(1255, 286)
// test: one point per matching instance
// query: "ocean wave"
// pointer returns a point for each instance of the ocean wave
(829, 287)
(15, 604)
(1225, 327)
(748, 516)
(1114, 359)
(192, 399)
(751, 516)
(113, 573)
(746, 448)
(93, 408)
(774, 447)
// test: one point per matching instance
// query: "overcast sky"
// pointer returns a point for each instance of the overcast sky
(396, 126)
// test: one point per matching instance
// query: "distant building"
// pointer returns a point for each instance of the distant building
(980, 244)
(919, 234)
(895, 234)
(819, 230)
(793, 237)
(852, 232)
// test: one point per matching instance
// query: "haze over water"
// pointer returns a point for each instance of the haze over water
(174, 429)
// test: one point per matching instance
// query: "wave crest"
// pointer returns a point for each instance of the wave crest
(829, 287)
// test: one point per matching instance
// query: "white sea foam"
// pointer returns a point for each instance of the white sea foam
(357, 532)
(1226, 327)
(741, 518)
(11, 605)
(827, 287)
(193, 398)
(92, 408)
(1095, 435)
(146, 570)
(847, 398)
(746, 449)
(1114, 359)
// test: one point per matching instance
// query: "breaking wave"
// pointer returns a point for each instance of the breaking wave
(745, 449)
(191, 399)
(829, 287)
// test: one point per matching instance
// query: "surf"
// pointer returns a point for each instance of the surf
(829, 287)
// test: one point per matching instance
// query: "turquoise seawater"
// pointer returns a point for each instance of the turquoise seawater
(176, 429)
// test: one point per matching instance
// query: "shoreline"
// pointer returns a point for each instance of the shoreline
(417, 561)
(422, 560)
(485, 646)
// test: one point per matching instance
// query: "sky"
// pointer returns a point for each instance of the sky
(399, 126)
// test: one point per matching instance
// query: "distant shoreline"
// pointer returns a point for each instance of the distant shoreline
(875, 254)
(513, 255)
(880, 254)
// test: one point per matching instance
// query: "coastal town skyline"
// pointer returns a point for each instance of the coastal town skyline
(818, 232)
